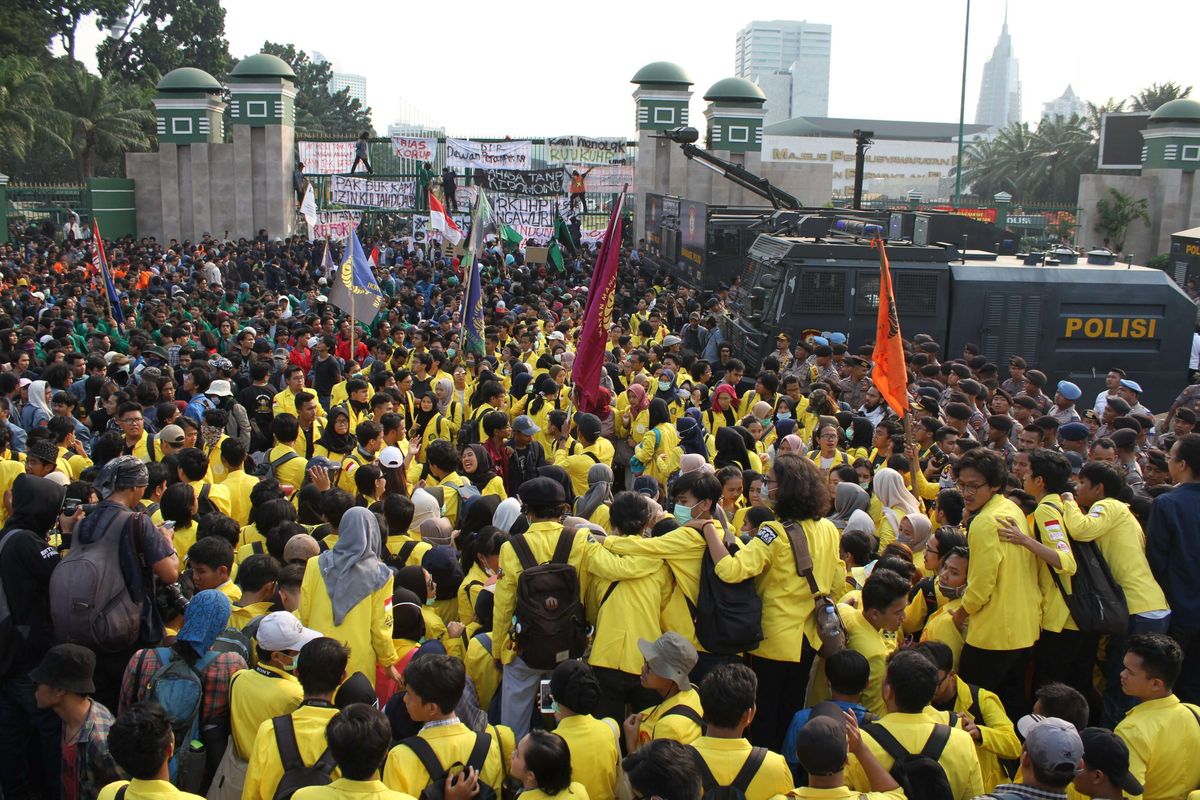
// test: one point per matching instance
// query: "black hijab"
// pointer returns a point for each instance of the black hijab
(341, 443)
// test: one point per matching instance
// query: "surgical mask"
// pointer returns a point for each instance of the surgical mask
(683, 514)
(784, 415)
(764, 493)
(451, 353)
(951, 592)
(865, 484)
(291, 665)
(664, 386)
(558, 357)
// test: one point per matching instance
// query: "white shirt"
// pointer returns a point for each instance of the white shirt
(1194, 361)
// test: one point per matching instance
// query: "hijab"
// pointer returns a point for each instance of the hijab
(425, 506)
(203, 620)
(639, 401)
(848, 498)
(342, 444)
(690, 462)
(922, 530)
(422, 418)
(409, 622)
(795, 444)
(671, 393)
(37, 397)
(36, 503)
(888, 486)
(731, 412)
(352, 569)
(520, 383)
(599, 491)
(784, 427)
(507, 513)
(860, 521)
(731, 449)
(483, 467)
(412, 578)
(447, 388)
(691, 437)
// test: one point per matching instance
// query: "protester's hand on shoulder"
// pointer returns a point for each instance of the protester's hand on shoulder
(1009, 532)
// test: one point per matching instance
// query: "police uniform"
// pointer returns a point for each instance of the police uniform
(854, 394)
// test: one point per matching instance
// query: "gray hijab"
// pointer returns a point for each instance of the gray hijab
(599, 492)
(352, 569)
(848, 498)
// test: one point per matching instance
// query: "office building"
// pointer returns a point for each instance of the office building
(1000, 91)
(356, 84)
(766, 51)
(1066, 105)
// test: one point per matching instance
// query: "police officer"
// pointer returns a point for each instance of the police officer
(854, 388)
(783, 352)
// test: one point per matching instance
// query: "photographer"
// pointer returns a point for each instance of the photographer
(26, 562)
(145, 555)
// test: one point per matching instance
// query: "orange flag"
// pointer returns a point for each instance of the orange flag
(890, 374)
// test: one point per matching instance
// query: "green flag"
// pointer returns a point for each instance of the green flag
(555, 256)
(561, 233)
(510, 235)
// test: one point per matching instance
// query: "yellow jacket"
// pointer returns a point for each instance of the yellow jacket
(725, 758)
(1048, 527)
(787, 602)
(542, 538)
(265, 769)
(1164, 740)
(594, 753)
(659, 452)
(869, 641)
(1111, 525)
(285, 403)
(366, 630)
(346, 789)
(481, 668)
(998, 737)
(581, 459)
(239, 485)
(640, 590)
(1001, 580)
(451, 743)
(912, 731)
(658, 724)
(682, 550)
(255, 696)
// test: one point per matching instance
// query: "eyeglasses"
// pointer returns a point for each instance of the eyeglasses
(970, 488)
(132, 421)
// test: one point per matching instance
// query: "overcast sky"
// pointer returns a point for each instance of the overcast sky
(542, 67)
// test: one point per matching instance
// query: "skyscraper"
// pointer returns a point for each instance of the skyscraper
(798, 48)
(1066, 105)
(1000, 91)
(356, 84)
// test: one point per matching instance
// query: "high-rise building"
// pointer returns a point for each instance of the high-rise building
(798, 48)
(356, 84)
(1000, 91)
(1066, 105)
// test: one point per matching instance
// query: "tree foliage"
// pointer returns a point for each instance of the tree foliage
(1157, 94)
(162, 35)
(1116, 213)
(23, 92)
(66, 15)
(27, 30)
(319, 111)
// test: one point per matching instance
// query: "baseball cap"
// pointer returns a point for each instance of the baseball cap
(220, 388)
(556, 336)
(1069, 390)
(280, 630)
(525, 424)
(671, 341)
(172, 435)
(1054, 747)
(1107, 752)
(542, 492)
(670, 656)
(300, 548)
(821, 742)
(1073, 432)
(391, 457)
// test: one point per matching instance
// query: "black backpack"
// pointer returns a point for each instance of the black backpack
(551, 624)
(919, 775)
(1096, 600)
(436, 789)
(270, 468)
(741, 782)
(203, 504)
(297, 774)
(727, 616)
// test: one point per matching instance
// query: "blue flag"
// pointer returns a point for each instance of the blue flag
(353, 288)
(101, 263)
(472, 314)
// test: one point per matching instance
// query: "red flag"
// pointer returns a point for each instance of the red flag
(890, 375)
(593, 340)
(442, 222)
(374, 257)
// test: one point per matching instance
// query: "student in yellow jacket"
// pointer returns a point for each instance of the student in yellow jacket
(799, 495)
(593, 742)
(347, 595)
(1001, 580)
(659, 451)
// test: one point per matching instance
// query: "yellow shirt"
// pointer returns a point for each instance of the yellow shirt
(1111, 525)
(579, 461)
(9, 470)
(542, 538)
(787, 603)
(255, 696)
(290, 472)
(998, 737)
(1164, 740)
(285, 403)
(266, 768)
(366, 629)
(346, 789)
(241, 616)
(451, 743)
(396, 543)
(659, 452)
(681, 550)
(913, 731)
(482, 669)
(145, 790)
(239, 484)
(1048, 527)
(1001, 579)
(658, 724)
(632, 610)
(840, 793)
(941, 628)
(218, 495)
(594, 753)
(575, 791)
(725, 757)
(318, 430)
(871, 643)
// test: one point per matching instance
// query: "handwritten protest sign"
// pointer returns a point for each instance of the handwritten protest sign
(414, 147)
(336, 224)
(605, 178)
(584, 150)
(391, 195)
(467, 155)
(326, 158)
(529, 182)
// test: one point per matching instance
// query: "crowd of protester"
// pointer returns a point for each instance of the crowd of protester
(249, 552)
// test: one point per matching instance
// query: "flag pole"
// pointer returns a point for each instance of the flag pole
(350, 252)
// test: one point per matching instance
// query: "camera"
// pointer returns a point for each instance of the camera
(169, 601)
(71, 506)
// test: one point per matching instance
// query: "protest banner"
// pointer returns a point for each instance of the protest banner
(584, 150)
(415, 147)
(528, 182)
(326, 158)
(391, 195)
(336, 224)
(538, 212)
(467, 155)
(608, 178)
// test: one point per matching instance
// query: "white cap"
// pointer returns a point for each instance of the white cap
(280, 630)
(556, 335)
(220, 388)
(391, 457)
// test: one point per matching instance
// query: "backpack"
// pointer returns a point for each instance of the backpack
(468, 433)
(12, 636)
(89, 602)
(203, 504)
(296, 774)
(270, 469)
(1096, 600)
(926, 588)
(437, 774)
(727, 616)
(829, 623)
(550, 622)
(919, 775)
(635, 463)
(741, 782)
(400, 560)
(177, 687)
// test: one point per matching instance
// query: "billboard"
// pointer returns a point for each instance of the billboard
(1121, 139)
(692, 238)
(892, 167)
(654, 210)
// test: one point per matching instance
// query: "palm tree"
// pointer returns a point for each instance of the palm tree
(1116, 213)
(95, 118)
(1005, 163)
(1156, 94)
(1063, 149)
(24, 91)
(1095, 113)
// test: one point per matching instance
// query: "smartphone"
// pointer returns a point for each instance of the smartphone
(169, 524)
(547, 699)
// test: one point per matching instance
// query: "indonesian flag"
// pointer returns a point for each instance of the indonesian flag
(374, 257)
(442, 222)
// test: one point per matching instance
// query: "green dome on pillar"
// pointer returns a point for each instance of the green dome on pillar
(189, 79)
(262, 92)
(1181, 110)
(188, 107)
(735, 91)
(1172, 137)
(263, 65)
(663, 73)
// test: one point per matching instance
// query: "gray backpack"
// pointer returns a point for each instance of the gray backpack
(89, 602)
